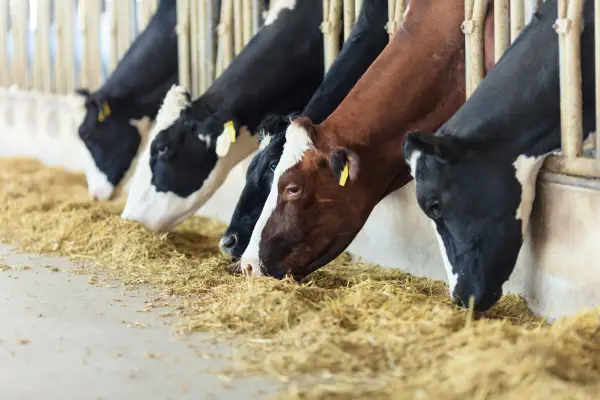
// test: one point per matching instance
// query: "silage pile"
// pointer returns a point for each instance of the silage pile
(353, 331)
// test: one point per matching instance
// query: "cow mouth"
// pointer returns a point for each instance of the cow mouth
(325, 257)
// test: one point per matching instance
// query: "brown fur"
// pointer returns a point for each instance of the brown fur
(417, 83)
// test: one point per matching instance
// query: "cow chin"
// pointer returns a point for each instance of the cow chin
(303, 261)
(481, 271)
(99, 187)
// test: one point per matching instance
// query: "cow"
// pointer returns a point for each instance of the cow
(331, 175)
(191, 155)
(365, 43)
(475, 178)
(118, 115)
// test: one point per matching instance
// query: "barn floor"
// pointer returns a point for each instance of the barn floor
(62, 338)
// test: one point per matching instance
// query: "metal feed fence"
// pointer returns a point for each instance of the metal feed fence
(55, 46)
(577, 158)
(59, 45)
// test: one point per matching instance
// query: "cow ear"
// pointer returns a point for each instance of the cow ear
(444, 148)
(344, 164)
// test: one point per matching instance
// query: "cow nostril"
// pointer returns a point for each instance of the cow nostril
(248, 269)
(229, 241)
(457, 301)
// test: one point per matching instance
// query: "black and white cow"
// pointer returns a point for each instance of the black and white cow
(119, 114)
(367, 40)
(475, 178)
(198, 143)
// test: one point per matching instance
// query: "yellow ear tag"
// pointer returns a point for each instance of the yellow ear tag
(230, 131)
(106, 109)
(101, 116)
(344, 176)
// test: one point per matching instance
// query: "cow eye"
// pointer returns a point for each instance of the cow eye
(161, 150)
(272, 166)
(434, 210)
(292, 191)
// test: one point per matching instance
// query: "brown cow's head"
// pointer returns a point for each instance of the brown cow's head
(315, 208)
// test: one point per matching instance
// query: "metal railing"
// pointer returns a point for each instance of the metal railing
(56, 46)
(509, 19)
(59, 45)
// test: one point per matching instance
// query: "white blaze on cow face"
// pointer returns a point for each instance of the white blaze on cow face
(452, 276)
(412, 162)
(297, 143)
(280, 5)
(526, 172)
(175, 101)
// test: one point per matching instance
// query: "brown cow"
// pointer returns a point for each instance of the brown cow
(417, 83)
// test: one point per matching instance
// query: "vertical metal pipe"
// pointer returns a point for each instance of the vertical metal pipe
(467, 29)
(517, 20)
(477, 55)
(574, 133)
(183, 43)
(247, 13)
(501, 24)
(597, 56)
(391, 29)
(238, 29)
(348, 17)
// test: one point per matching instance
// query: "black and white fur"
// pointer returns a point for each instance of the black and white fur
(189, 158)
(134, 92)
(365, 43)
(475, 178)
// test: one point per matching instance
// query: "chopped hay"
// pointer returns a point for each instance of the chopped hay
(352, 331)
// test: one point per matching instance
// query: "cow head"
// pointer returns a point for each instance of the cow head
(193, 148)
(479, 198)
(259, 178)
(314, 209)
(113, 138)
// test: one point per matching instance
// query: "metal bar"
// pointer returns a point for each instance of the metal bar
(247, 13)
(4, 71)
(238, 30)
(597, 72)
(517, 20)
(579, 166)
(568, 27)
(348, 17)
(183, 43)
(501, 31)
(68, 9)
(195, 46)
(467, 27)
(477, 51)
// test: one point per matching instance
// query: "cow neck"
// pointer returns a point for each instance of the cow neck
(278, 70)
(500, 112)
(360, 50)
(416, 83)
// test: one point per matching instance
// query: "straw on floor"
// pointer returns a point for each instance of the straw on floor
(352, 331)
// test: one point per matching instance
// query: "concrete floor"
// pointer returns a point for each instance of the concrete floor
(64, 338)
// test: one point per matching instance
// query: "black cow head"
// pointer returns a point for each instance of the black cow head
(259, 178)
(194, 147)
(111, 134)
(479, 198)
